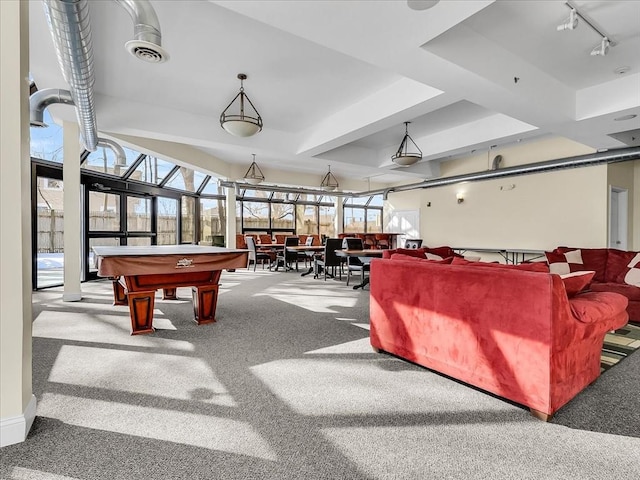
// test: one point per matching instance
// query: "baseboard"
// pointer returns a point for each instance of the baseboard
(71, 297)
(15, 429)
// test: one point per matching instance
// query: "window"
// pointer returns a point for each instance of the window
(103, 160)
(212, 188)
(255, 215)
(49, 231)
(46, 143)
(363, 214)
(307, 219)
(327, 221)
(167, 221)
(188, 219)
(186, 179)
(354, 219)
(213, 220)
(374, 220)
(152, 170)
(282, 216)
(138, 214)
(104, 212)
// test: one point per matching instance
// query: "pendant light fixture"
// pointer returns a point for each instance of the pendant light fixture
(254, 175)
(329, 182)
(408, 152)
(245, 120)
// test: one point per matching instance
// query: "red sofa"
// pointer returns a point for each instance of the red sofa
(512, 332)
(612, 267)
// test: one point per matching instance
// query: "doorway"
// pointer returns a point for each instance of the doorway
(406, 222)
(618, 211)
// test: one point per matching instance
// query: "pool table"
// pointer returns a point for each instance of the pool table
(138, 271)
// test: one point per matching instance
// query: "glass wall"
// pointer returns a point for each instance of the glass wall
(104, 212)
(213, 221)
(255, 215)
(49, 230)
(188, 219)
(363, 214)
(306, 219)
(167, 221)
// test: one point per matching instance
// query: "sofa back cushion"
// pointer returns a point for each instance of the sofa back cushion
(402, 256)
(442, 252)
(595, 259)
(528, 267)
(414, 252)
(618, 265)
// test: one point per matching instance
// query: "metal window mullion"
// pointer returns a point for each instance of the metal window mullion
(203, 185)
(170, 175)
(136, 163)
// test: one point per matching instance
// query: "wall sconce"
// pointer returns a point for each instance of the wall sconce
(460, 197)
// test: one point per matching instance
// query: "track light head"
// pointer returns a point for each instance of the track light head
(602, 48)
(571, 23)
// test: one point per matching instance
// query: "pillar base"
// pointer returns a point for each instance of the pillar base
(15, 429)
(71, 297)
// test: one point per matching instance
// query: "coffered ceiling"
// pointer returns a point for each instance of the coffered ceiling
(334, 81)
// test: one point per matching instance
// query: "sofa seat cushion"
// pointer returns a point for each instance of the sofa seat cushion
(591, 307)
(632, 293)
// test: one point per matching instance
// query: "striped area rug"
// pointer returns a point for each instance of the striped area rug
(618, 345)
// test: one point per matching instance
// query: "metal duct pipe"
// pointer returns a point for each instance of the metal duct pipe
(40, 101)
(276, 188)
(610, 156)
(147, 42)
(69, 25)
(121, 157)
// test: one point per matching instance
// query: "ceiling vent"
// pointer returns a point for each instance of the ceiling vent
(630, 137)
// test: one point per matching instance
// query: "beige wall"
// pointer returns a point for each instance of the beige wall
(536, 212)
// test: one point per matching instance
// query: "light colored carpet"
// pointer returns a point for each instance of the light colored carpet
(283, 386)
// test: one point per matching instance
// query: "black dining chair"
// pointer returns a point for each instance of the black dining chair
(255, 254)
(287, 258)
(329, 259)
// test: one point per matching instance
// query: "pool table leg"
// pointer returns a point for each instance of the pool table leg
(141, 311)
(119, 293)
(205, 299)
(169, 293)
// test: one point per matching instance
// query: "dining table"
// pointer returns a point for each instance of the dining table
(310, 251)
(365, 256)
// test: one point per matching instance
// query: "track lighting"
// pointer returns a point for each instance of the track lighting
(602, 48)
(571, 23)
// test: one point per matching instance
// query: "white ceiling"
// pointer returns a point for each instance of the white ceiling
(334, 81)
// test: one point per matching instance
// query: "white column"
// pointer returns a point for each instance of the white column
(72, 212)
(231, 218)
(17, 402)
(339, 215)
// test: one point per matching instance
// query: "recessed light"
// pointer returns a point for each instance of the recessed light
(625, 117)
(421, 4)
(622, 70)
